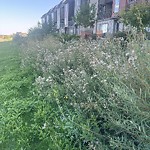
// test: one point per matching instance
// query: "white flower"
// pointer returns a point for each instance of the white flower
(104, 81)
(127, 55)
(44, 126)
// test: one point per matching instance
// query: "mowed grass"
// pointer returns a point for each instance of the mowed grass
(9, 67)
(9, 58)
(14, 86)
(9, 64)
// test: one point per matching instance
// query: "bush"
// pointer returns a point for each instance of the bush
(17, 38)
(94, 36)
(36, 33)
(148, 35)
(122, 34)
(63, 38)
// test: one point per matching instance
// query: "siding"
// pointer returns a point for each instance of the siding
(66, 14)
(77, 6)
(58, 18)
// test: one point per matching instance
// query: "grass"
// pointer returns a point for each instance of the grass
(81, 95)
(5, 40)
(9, 64)
(13, 93)
(23, 113)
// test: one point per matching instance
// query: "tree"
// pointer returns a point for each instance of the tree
(48, 27)
(86, 15)
(138, 16)
(36, 33)
(41, 30)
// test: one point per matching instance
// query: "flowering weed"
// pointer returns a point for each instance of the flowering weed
(87, 94)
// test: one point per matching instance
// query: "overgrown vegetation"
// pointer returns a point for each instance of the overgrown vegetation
(77, 95)
(41, 30)
(63, 38)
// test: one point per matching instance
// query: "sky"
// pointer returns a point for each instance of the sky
(21, 15)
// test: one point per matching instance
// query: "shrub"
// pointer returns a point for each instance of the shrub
(148, 35)
(94, 36)
(18, 38)
(36, 33)
(121, 34)
(63, 38)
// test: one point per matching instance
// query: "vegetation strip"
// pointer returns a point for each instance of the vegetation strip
(75, 95)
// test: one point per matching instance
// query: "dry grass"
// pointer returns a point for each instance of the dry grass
(5, 40)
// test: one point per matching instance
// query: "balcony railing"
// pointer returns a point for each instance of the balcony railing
(62, 25)
(108, 1)
(103, 2)
(70, 23)
(105, 14)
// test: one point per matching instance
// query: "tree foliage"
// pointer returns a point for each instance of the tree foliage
(138, 16)
(86, 15)
(41, 30)
(36, 33)
(48, 27)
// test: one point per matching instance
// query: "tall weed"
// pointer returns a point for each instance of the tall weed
(91, 94)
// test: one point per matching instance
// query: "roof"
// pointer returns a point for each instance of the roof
(54, 8)
(44, 15)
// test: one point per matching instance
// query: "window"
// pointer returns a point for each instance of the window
(116, 9)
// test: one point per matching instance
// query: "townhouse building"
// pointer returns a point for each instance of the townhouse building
(107, 14)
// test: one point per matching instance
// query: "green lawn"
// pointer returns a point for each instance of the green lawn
(9, 68)
(9, 58)
(14, 89)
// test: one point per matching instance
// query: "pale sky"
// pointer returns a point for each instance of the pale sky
(20, 15)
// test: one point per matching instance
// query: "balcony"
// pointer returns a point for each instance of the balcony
(108, 1)
(103, 2)
(62, 13)
(62, 24)
(71, 9)
(70, 23)
(130, 4)
(105, 14)
(105, 9)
